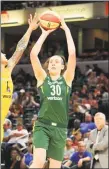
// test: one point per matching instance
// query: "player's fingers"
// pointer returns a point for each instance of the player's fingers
(29, 21)
(38, 24)
(30, 18)
(36, 19)
(62, 20)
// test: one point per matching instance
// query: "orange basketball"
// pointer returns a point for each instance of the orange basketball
(49, 20)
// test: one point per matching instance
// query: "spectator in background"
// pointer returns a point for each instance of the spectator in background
(28, 157)
(69, 150)
(88, 70)
(97, 69)
(83, 92)
(88, 124)
(84, 108)
(7, 126)
(98, 141)
(15, 159)
(97, 93)
(102, 79)
(20, 76)
(92, 80)
(28, 85)
(14, 96)
(15, 111)
(21, 97)
(20, 136)
(76, 137)
(93, 103)
(80, 159)
(105, 95)
(29, 101)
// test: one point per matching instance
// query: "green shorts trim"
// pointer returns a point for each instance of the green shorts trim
(51, 138)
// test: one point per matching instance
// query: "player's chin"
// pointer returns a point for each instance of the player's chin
(53, 72)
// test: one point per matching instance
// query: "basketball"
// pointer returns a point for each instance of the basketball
(49, 20)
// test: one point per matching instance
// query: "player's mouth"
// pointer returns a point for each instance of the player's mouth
(54, 68)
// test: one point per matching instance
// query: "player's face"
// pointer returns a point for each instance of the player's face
(55, 65)
(3, 59)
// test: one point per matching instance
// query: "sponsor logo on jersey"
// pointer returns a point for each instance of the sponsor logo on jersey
(55, 82)
(54, 98)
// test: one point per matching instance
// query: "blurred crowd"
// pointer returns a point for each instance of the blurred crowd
(59, 48)
(94, 54)
(54, 49)
(90, 94)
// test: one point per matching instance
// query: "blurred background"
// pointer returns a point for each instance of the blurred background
(88, 22)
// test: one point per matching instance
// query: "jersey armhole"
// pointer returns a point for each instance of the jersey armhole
(7, 68)
(66, 83)
(40, 84)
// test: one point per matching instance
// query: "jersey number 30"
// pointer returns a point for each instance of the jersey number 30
(56, 90)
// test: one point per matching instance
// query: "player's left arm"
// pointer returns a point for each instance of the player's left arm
(22, 44)
(70, 72)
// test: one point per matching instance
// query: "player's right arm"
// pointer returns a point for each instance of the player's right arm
(39, 72)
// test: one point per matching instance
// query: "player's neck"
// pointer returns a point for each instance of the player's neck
(54, 77)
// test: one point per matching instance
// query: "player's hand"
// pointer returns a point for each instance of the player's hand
(33, 22)
(47, 32)
(63, 24)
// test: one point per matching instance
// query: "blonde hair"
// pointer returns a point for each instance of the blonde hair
(45, 65)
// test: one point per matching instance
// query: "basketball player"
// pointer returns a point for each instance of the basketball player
(7, 67)
(50, 130)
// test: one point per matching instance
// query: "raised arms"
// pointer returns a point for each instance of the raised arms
(70, 72)
(39, 72)
(22, 44)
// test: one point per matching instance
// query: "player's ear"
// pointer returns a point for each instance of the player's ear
(48, 67)
(62, 68)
